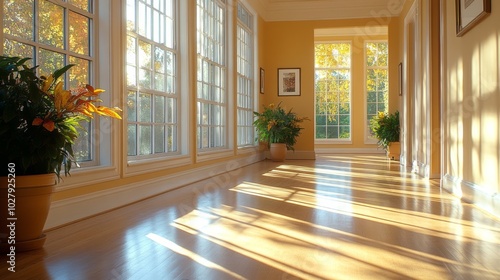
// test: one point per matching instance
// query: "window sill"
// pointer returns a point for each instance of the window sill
(87, 176)
(148, 165)
(331, 141)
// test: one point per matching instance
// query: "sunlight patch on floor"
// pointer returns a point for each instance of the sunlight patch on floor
(187, 253)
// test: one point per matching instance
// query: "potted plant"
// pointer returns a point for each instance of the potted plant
(278, 128)
(38, 126)
(386, 129)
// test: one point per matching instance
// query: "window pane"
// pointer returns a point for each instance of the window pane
(145, 140)
(159, 109)
(51, 31)
(79, 33)
(18, 18)
(82, 4)
(132, 106)
(145, 107)
(50, 61)
(83, 144)
(132, 140)
(159, 139)
(14, 48)
(80, 73)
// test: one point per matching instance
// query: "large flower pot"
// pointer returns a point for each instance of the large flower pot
(394, 150)
(25, 207)
(277, 151)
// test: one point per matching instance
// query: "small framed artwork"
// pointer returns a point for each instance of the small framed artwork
(400, 76)
(262, 79)
(288, 81)
(469, 13)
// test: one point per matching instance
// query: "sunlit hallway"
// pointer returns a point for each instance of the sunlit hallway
(339, 217)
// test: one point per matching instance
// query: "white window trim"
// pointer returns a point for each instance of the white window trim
(256, 71)
(340, 140)
(245, 150)
(204, 154)
(108, 147)
(136, 165)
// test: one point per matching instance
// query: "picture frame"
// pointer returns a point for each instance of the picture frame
(400, 76)
(262, 80)
(469, 13)
(288, 81)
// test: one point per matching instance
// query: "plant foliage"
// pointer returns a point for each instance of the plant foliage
(385, 128)
(39, 119)
(275, 125)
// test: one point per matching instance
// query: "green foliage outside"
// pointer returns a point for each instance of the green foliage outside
(332, 90)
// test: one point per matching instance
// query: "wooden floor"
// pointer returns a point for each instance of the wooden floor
(339, 217)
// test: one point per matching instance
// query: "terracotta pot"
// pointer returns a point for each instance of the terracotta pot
(278, 151)
(23, 219)
(394, 150)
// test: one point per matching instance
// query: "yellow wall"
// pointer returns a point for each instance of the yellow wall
(291, 45)
(472, 109)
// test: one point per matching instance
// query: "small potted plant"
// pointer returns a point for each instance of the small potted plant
(38, 126)
(278, 128)
(385, 127)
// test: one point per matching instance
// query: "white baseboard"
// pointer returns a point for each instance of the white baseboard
(349, 151)
(296, 154)
(472, 193)
(421, 169)
(73, 209)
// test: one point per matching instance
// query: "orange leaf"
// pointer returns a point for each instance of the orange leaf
(37, 121)
(49, 125)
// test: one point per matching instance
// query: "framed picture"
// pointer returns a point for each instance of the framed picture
(400, 76)
(469, 13)
(262, 79)
(288, 81)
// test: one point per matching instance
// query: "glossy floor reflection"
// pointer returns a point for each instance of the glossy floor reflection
(339, 217)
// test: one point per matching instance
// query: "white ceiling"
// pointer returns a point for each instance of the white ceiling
(285, 10)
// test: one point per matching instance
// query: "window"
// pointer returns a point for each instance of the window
(152, 91)
(377, 83)
(211, 75)
(333, 91)
(54, 34)
(245, 82)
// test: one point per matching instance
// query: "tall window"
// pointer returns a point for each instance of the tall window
(245, 104)
(54, 34)
(211, 74)
(152, 94)
(377, 83)
(333, 91)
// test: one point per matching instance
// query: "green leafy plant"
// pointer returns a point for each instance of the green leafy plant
(275, 125)
(39, 118)
(385, 128)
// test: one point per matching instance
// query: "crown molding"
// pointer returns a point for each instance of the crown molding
(296, 10)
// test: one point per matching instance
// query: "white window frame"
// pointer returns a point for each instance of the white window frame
(367, 138)
(339, 140)
(226, 103)
(141, 164)
(246, 94)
